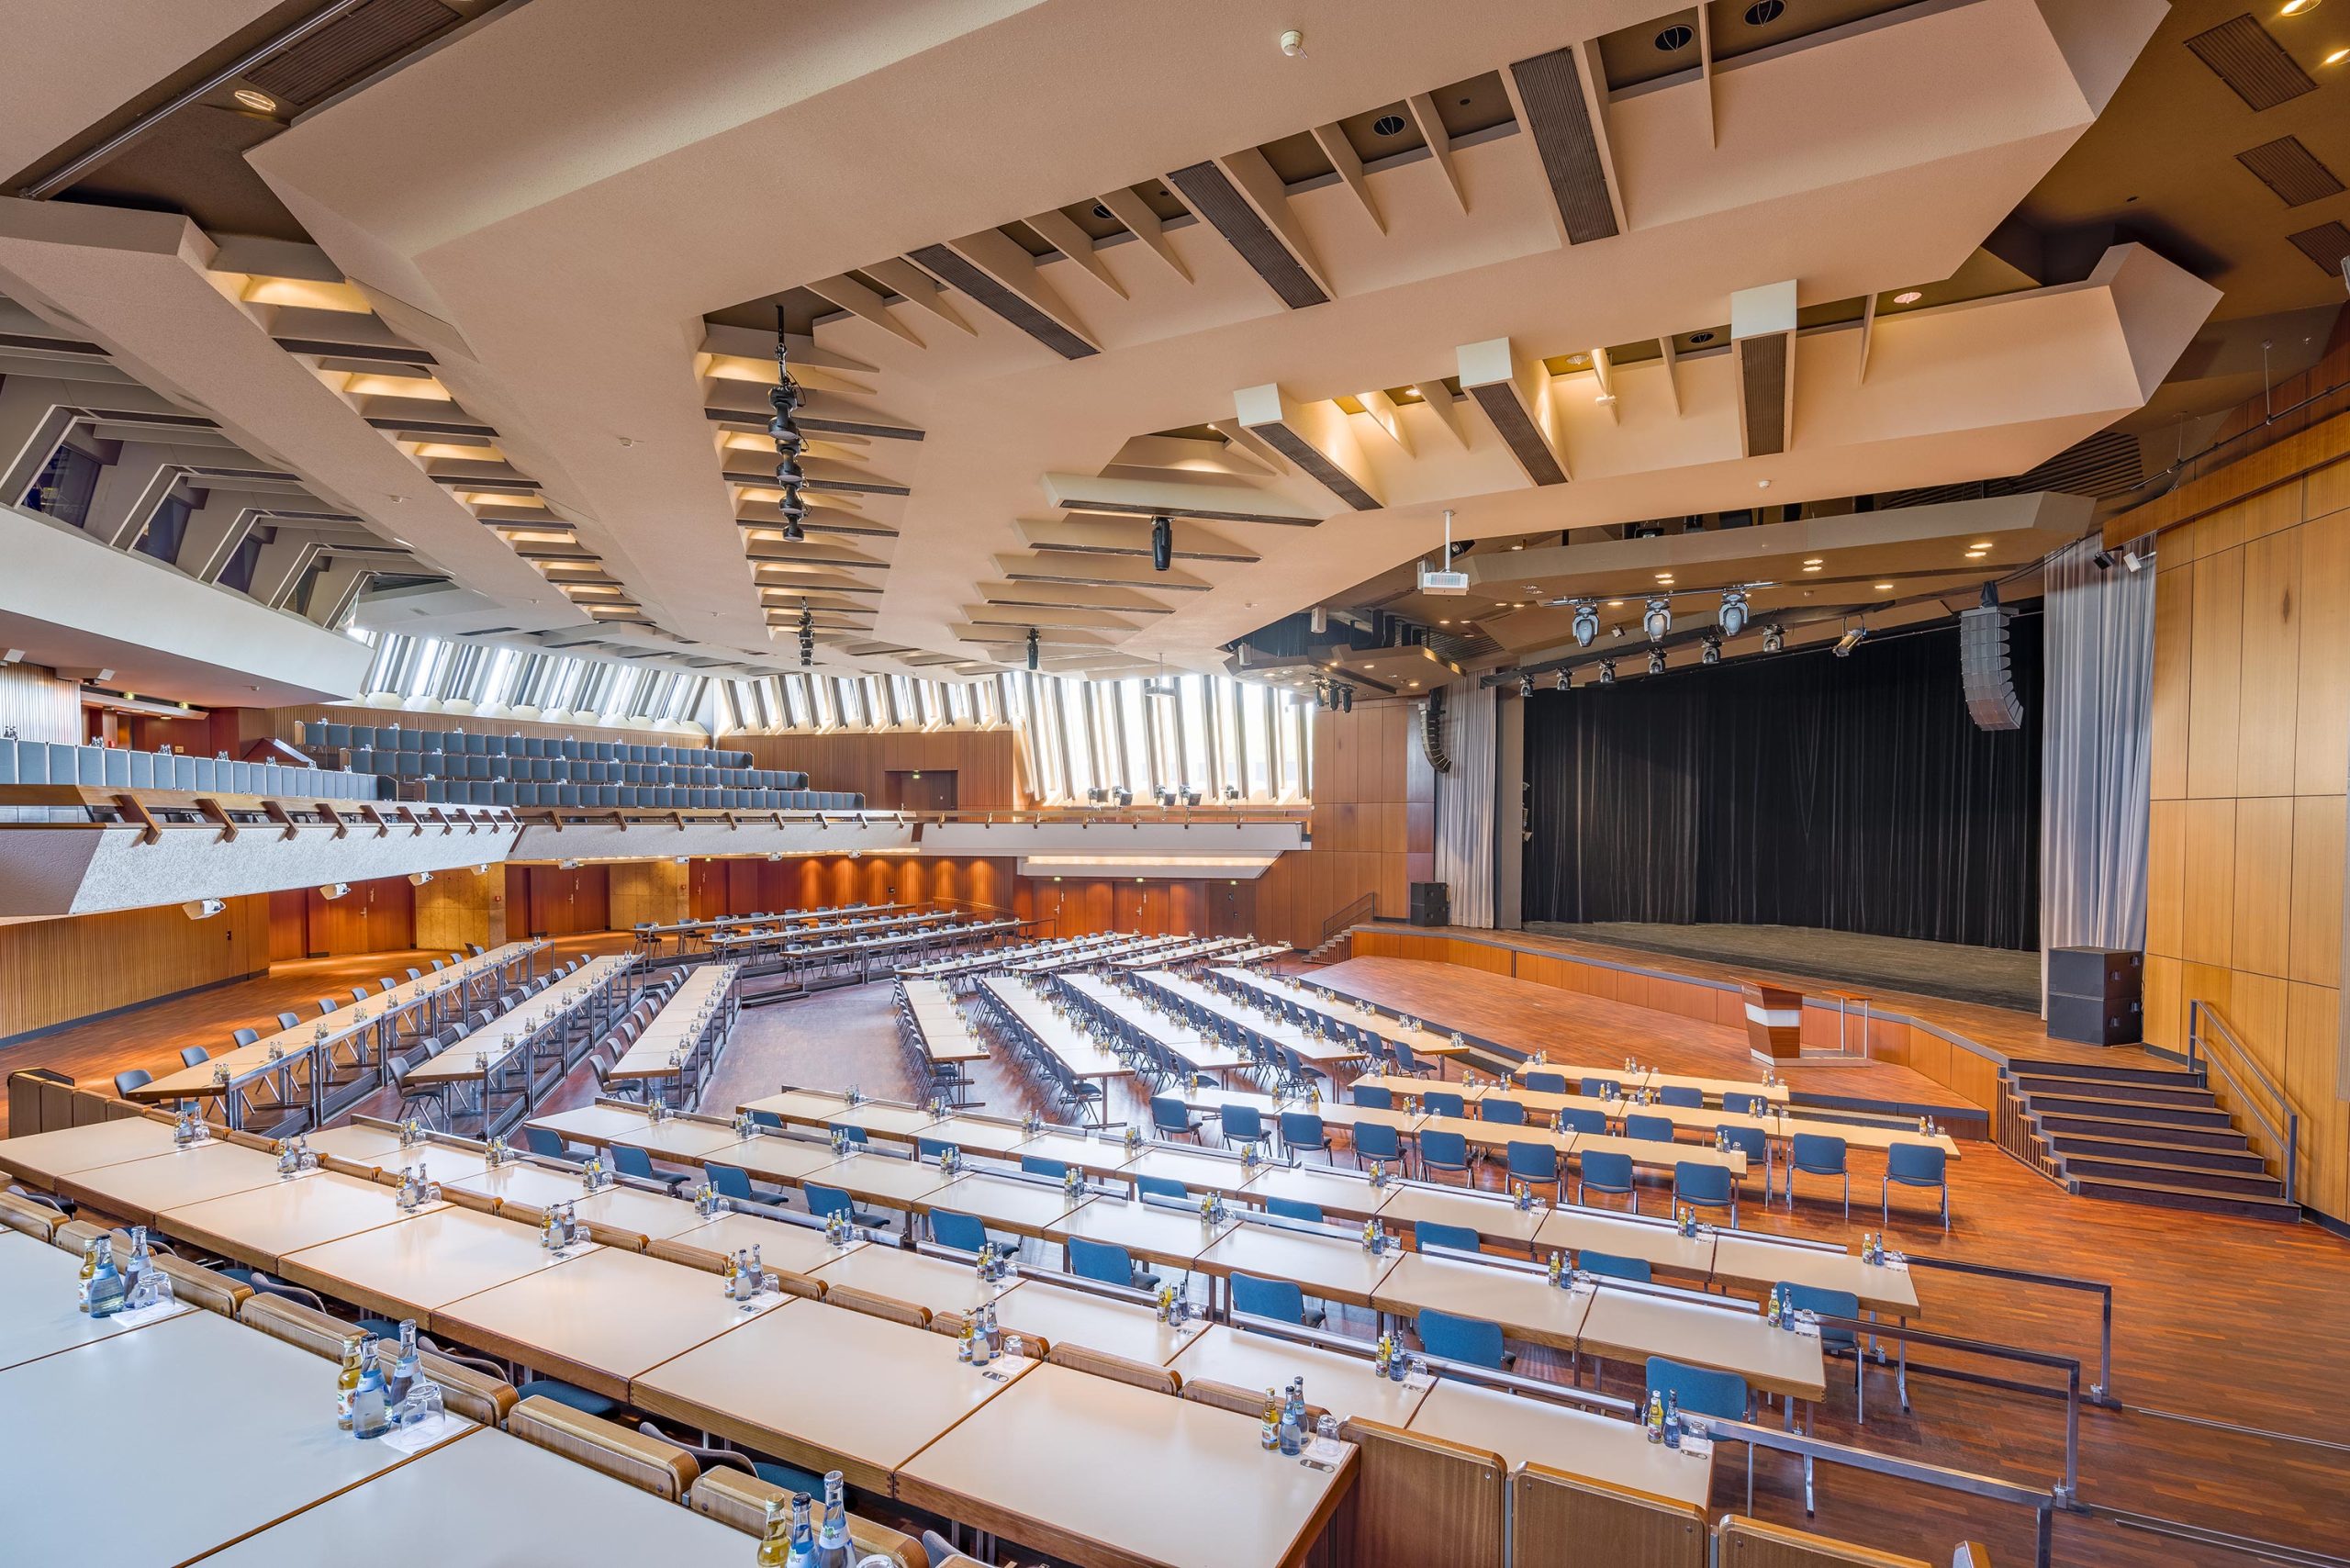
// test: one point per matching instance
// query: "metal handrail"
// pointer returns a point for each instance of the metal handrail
(2289, 1134)
(2100, 1392)
(1350, 915)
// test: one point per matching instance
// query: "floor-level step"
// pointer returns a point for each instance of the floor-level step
(2164, 1116)
(2187, 1091)
(2123, 1125)
(2024, 1067)
(2151, 1151)
(2163, 1195)
(2235, 1184)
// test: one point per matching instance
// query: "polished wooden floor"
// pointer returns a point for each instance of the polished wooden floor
(2220, 1324)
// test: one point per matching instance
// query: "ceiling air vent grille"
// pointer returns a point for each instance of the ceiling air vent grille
(371, 36)
(2241, 53)
(2291, 170)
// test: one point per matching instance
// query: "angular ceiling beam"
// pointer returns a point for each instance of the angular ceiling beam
(1075, 596)
(1059, 616)
(1115, 536)
(1130, 209)
(1514, 391)
(1103, 571)
(1383, 411)
(1252, 173)
(1436, 397)
(1332, 139)
(1439, 140)
(864, 304)
(1216, 502)
(1002, 279)
(1207, 189)
(1061, 233)
(1316, 437)
(1763, 342)
(919, 289)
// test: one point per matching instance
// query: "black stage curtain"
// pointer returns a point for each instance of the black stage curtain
(1848, 794)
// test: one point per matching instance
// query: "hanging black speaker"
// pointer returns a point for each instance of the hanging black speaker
(1983, 672)
(1162, 544)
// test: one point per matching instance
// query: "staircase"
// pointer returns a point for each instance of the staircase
(1335, 929)
(2145, 1133)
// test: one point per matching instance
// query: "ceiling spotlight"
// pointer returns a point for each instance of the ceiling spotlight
(1565, 681)
(260, 103)
(1656, 661)
(1346, 699)
(1526, 683)
(1713, 653)
(1031, 650)
(2131, 559)
(1881, 588)
(1608, 672)
(2103, 560)
(1775, 639)
(1909, 297)
(1733, 614)
(1586, 622)
(334, 889)
(2336, 57)
(1162, 544)
(1659, 619)
(1851, 639)
(2296, 8)
(1761, 483)
(788, 442)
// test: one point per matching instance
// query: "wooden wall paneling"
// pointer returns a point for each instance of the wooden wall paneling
(2261, 922)
(53, 972)
(2311, 1081)
(649, 892)
(2214, 700)
(2165, 1002)
(374, 916)
(41, 705)
(2270, 670)
(983, 761)
(2315, 954)
(460, 907)
(2211, 838)
(1608, 1524)
(2322, 707)
(2174, 645)
(2167, 877)
(289, 925)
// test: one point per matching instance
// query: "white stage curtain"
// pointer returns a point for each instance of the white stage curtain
(1464, 803)
(2095, 777)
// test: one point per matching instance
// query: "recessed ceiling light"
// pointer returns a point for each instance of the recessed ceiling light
(1517, 546)
(1665, 576)
(253, 98)
(1976, 554)
(2296, 8)
(2336, 57)
(1761, 483)
(1701, 337)
(1764, 11)
(1811, 568)
(1882, 587)
(1980, 545)
(1388, 125)
(1813, 561)
(1614, 604)
(1909, 297)
(1578, 359)
(1444, 622)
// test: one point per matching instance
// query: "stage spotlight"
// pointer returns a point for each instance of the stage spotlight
(1608, 672)
(1346, 699)
(1659, 619)
(1774, 638)
(1713, 653)
(1656, 661)
(2135, 562)
(1162, 544)
(1733, 616)
(1526, 683)
(1565, 681)
(1586, 622)
(1031, 650)
(1851, 639)
(2102, 561)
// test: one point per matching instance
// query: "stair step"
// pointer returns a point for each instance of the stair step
(2135, 1111)
(2150, 1152)
(2119, 1126)
(2188, 1093)
(2162, 1195)
(2234, 1184)
(2114, 1073)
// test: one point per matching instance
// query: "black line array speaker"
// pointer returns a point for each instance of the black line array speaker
(2096, 995)
(1431, 903)
(1989, 684)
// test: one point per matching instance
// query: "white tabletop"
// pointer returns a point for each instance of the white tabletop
(38, 1312)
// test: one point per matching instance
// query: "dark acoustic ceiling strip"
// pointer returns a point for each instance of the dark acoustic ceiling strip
(1208, 193)
(1762, 372)
(1510, 421)
(1550, 88)
(2241, 53)
(387, 354)
(1205, 514)
(807, 421)
(858, 488)
(433, 427)
(2291, 170)
(332, 58)
(984, 291)
(1324, 472)
(2326, 245)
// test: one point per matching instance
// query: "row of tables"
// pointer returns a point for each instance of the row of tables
(684, 1036)
(492, 1057)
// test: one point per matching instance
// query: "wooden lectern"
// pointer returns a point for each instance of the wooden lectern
(1774, 1022)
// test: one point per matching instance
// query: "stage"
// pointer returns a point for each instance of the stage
(1993, 977)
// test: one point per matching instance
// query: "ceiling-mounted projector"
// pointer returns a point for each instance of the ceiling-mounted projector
(1440, 580)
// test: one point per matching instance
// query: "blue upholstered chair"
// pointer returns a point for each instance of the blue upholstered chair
(1108, 1264)
(1818, 1154)
(1473, 1341)
(1914, 1165)
(1703, 1186)
(1608, 1265)
(1443, 1151)
(1605, 1170)
(1280, 1300)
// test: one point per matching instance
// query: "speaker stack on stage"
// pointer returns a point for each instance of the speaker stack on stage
(2096, 996)
(1431, 903)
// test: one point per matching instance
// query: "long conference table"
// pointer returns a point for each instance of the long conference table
(887, 1402)
(502, 1055)
(298, 1063)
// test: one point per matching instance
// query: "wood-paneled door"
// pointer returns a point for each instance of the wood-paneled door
(565, 903)
(377, 916)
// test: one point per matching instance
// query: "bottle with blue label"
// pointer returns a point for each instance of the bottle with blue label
(370, 1410)
(109, 1291)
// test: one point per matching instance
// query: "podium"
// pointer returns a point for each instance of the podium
(1774, 1022)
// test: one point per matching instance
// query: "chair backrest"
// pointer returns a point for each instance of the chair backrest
(1752, 1543)
(768, 1119)
(1427, 1232)
(1581, 1119)
(1447, 1150)
(1169, 1114)
(1279, 1299)
(646, 1464)
(1103, 1260)
(1600, 1088)
(1920, 1164)
(327, 1005)
(1159, 1380)
(1534, 1161)
(1649, 1129)
(299, 1326)
(1822, 1154)
(1509, 1113)
(727, 1180)
(853, 1133)
(932, 1147)
(1697, 1182)
(1471, 1341)
(1037, 1165)
(876, 1306)
(1749, 1141)
(1699, 1389)
(289, 1020)
(964, 1233)
(1372, 1097)
(1405, 1058)
(1443, 1102)
(824, 1199)
(630, 1161)
(537, 1140)
(1614, 1524)
(1294, 1208)
(468, 1391)
(34, 1219)
(1682, 1095)
(1160, 1187)
(1613, 1267)
(1302, 1129)
(739, 1499)
(1377, 1140)
(1546, 1082)
(1828, 1304)
(1607, 1169)
(1242, 1121)
(135, 1078)
(1744, 1105)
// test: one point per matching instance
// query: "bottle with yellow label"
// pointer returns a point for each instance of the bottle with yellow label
(89, 1272)
(346, 1382)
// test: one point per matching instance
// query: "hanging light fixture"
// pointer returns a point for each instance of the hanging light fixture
(1162, 544)
(1032, 649)
(788, 442)
(1659, 619)
(806, 635)
(1346, 699)
(1733, 617)
(1774, 638)
(1526, 683)
(1586, 622)
(1656, 661)
(1713, 653)
(1565, 681)
(1608, 672)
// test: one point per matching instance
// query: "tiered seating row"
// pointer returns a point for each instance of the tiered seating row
(117, 767)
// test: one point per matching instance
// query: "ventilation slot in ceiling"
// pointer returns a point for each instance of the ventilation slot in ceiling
(955, 272)
(371, 36)
(1550, 92)
(2242, 54)
(2326, 245)
(2291, 170)
(1517, 429)
(1213, 198)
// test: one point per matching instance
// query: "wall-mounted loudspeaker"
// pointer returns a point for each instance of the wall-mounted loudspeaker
(1989, 684)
